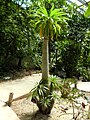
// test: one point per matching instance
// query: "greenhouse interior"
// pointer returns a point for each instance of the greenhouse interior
(45, 59)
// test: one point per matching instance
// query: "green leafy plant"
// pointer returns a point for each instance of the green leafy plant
(44, 95)
(66, 87)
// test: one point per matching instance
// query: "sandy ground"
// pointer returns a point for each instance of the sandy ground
(19, 86)
(26, 110)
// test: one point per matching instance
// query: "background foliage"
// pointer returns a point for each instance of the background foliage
(20, 44)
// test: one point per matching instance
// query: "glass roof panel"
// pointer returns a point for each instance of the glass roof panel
(79, 2)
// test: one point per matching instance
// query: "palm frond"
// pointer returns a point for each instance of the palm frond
(51, 9)
(54, 27)
(50, 21)
(43, 11)
(53, 12)
(58, 27)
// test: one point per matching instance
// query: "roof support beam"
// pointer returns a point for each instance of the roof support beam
(83, 2)
(73, 2)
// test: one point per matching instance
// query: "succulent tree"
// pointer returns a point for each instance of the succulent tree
(47, 22)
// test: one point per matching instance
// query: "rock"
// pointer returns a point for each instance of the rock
(6, 113)
(7, 78)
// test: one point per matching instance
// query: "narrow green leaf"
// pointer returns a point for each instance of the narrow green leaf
(51, 9)
(58, 27)
(55, 11)
(44, 11)
(87, 13)
(54, 28)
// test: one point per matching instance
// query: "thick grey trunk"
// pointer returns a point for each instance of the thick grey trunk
(45, 60)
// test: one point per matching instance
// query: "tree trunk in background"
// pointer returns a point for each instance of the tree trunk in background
(45, 60)
(20, 63)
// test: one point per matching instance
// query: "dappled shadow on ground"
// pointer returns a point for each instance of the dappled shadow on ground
(34, 116)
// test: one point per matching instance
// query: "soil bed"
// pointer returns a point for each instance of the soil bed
(26, 110)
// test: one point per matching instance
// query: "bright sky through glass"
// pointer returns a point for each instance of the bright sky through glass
(77, 2)
(68, 1)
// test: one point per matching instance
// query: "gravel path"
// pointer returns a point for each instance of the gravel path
(25, 109)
